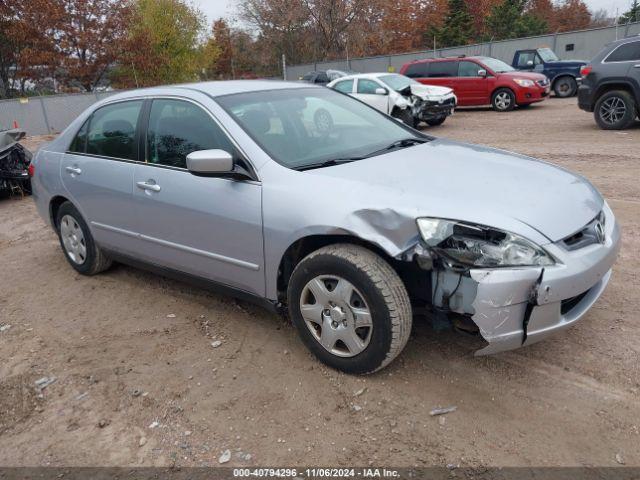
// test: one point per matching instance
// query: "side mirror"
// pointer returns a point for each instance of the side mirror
(381, 91)
(529, 63)
(482, 73)
(209, 162)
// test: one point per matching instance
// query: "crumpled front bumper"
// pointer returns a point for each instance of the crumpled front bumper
(517, 307)
(427, 109)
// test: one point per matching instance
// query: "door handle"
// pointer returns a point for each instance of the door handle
(154, 187)
(73, 170)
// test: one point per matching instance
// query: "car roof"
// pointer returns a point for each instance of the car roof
(443, 59)
(365, 75)
(215, 88)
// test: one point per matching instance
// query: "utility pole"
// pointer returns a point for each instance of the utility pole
(284, 67)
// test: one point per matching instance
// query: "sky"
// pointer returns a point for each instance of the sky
(226, 8)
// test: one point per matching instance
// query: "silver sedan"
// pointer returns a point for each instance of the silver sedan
(312, 203)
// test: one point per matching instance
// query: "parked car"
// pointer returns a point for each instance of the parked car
(564, 75)
(399, 96)
(322, 77)
(481, 81)
(226, 184)
(611, 85)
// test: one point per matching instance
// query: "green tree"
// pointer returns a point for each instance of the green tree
(633, 15)
(457, 29)
(165, 44)
(510, 19)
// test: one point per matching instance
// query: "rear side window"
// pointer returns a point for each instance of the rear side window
(629, 52)
(367, 86)
(112, 130)
(417, 70)
(177, 128)
(79, 144)
(443, 69)
(346, 86)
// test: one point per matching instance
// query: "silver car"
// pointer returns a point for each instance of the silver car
(309, 201)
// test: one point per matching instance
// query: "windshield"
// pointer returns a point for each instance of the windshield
(497, 66)
(547, 55)
(299, 127)
(397, 82)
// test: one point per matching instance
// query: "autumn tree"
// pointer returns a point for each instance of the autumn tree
(572, 15)
(222, 65)
(163, 44)
(90, 39)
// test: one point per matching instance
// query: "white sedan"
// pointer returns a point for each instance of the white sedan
(400, 96)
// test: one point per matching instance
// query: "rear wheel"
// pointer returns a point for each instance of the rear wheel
(434, 122)
(503, 100)
(77, 242)
(350, 308)
(565, 87)
(615, 110)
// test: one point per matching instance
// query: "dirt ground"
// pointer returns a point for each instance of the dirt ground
(138, 382)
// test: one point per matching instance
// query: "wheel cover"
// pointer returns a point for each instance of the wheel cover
(612, 110)
(337, 315)
(73, 239)
(503, 100)
(564, 86)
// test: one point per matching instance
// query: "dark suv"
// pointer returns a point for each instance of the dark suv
(611, 85)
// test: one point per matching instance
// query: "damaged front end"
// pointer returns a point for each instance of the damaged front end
(429, 102)
(14, 163)
(511, 305)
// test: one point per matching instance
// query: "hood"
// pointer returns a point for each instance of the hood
(424, 91)
(522, 74)
(471, 183)
(567, 63)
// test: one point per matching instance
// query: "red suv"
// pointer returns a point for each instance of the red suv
(481, 81)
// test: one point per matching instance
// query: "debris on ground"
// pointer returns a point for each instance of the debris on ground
(171, 315)
(442, 411)
(4, 328)
(44, 382)
(14, 163)
(360, 392)
(154, 424)
(619, 458)
(216, 344)
(357, 408)
(103, 423)
(225, 457)
(142, 442)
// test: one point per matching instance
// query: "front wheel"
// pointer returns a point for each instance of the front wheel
(405, 116)
(350, 308)
(434, 122)
(565, 87)
(503, 100)
(615, 110)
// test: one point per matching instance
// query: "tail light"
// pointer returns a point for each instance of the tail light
(585, 70)
(31, 169)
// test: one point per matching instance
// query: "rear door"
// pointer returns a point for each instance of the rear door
(97, 171)
(444, 73)
(623, 62)
(366, 91)
(210, 227)
(470, 86)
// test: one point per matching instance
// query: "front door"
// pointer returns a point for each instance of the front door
(366, 91)
(210, 227)
(470, 85)
(97, 171)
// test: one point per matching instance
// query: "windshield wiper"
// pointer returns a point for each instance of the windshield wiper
(328, 163)
(405, 142)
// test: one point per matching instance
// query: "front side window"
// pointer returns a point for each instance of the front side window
(525, 57)
(112, 130)
(397, 82)
(367, 86)
(302, 127)
(468, 69)
(177, 128)
(443, 69)
(346, 86)
(495, 65)
(629, 52)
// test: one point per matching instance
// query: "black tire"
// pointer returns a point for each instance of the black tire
(503, 100)
(405, 116)
(434, 122)
(565, 87)
(95, 260)
(382, 291)
(620, 99)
